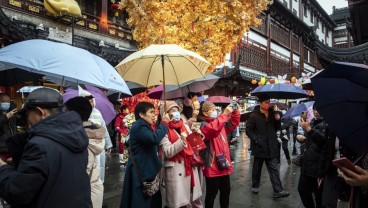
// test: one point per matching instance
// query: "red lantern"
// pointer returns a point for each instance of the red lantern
(254, 81)
(272, 81)
(114, 7)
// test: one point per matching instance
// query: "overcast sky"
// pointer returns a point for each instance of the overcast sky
(328, 4)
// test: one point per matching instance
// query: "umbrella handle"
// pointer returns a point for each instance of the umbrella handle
(163, 81)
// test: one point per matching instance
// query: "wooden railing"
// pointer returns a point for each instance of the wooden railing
(86, 22)
(254, 56)
(280, 34)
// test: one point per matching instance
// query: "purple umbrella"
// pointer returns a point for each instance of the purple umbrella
(102, 102)
(219, 99)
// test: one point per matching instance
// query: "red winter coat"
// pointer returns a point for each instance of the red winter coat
(219, 144)
(120, 125)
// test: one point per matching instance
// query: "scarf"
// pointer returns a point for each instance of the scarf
(186, 154)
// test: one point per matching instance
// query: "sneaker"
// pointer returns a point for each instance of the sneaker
(255, 190)
(280, 194)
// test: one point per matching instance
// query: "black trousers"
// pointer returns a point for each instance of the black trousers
(213, 185)
(284, 146)
(307, 187)
(271, 164)
(332, 187)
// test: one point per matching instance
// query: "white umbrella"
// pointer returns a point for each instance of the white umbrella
(167, 64)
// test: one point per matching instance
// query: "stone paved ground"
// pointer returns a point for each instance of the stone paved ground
(241, 195)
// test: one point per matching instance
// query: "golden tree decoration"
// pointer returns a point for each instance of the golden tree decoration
(210, 28)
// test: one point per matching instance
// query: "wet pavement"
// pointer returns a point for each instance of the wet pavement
(241, 195)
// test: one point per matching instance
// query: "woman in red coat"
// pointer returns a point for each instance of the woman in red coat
(122, 130)
(213, 128)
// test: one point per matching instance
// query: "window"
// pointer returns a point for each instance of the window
(323, 28)
(327, 33)
(294, 12)
(305, 11)
(311, 18)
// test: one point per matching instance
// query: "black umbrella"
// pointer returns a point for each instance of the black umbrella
(341, 94)
(16, 76)
(280, 91)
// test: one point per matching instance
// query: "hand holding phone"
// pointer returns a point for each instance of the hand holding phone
(234, 105)
(344, 162)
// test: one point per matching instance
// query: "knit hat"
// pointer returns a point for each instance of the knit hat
(171, 104)
(263, 97)
(206, 106)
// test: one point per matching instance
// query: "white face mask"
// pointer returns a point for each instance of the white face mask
(176, 116)
(213, 114)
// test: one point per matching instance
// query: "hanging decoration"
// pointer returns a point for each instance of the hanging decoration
(209, 28)
(254, 82)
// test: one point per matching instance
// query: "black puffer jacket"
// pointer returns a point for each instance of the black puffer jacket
(316, 149)
(52, 168)
(262, 133)
(7, 129)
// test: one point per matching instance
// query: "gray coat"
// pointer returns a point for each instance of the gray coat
(178, 190)
(262, 133)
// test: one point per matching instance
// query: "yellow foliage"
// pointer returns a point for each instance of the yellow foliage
(210, 28)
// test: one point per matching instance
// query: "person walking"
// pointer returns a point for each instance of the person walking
(182, 176)
(217, 163)
(261, 129)
(52, 168)
(144, 144)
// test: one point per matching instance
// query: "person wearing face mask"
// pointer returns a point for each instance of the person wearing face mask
(182, 174)
(217, 163)
(261, 129)
(7, 124)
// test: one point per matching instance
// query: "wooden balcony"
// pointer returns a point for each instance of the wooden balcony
(87, 22)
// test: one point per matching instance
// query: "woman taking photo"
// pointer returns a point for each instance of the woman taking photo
(144, 144)
(217, 163)
(182, 174)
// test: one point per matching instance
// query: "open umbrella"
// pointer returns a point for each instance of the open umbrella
(341, 94)
(16, 76)
(167, 64)
(296, 110)
(219, 99)
(61, 62)
(102, 102)
(280, 91)
(181, 91)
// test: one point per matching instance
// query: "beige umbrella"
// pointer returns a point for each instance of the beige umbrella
(166, 64)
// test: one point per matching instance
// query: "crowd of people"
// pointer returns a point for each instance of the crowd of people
(59, 160)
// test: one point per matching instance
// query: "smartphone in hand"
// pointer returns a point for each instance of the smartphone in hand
(234, 105)
(344, 162)
(196, 125)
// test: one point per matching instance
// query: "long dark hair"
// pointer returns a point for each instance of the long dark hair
(201, 117)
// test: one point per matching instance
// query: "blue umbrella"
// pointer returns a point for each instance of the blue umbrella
(341, 94)
(280, 91)
(62, 62)
(297, 109)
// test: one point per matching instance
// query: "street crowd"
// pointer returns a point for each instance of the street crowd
(58, 161)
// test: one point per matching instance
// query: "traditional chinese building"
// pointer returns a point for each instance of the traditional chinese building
(297, 36)
(101, 30)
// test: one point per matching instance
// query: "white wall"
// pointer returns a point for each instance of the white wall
(296, 6)
(256, 37)
(308, 67)
(280, 49)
